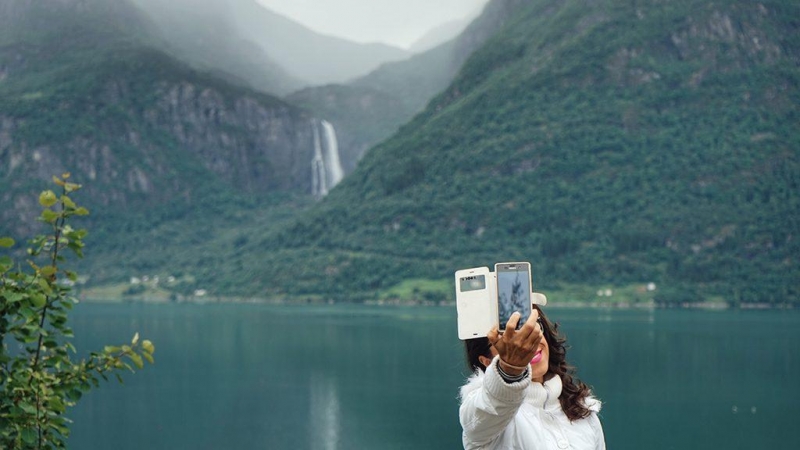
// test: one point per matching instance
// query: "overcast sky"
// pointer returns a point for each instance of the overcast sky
(395, 22)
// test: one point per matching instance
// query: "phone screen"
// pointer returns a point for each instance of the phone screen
(513, 292)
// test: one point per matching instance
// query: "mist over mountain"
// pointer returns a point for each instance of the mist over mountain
(204, 34)
(371, 108)
(439, 35)
(205, 30)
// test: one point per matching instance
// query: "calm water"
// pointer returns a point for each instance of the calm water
(346, 377)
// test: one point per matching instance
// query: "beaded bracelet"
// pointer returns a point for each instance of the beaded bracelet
(511, 378)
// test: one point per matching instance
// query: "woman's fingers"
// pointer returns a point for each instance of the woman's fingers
(513, 321)
(493, 335)
(533, 318)
(517, 346)
(530, 326)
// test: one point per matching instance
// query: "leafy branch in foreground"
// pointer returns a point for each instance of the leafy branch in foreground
(38, 378)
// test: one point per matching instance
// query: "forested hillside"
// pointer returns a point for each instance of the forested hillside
(610, 143)
(644, 149)
(160, 146)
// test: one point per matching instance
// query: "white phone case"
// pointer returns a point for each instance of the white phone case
(475, 302)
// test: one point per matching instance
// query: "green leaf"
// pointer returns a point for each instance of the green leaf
(135, 339)
(6, 242)
(47, 198)
(49, 216)
(46, 288)
(137, 360)
(28, 313)
(68, 202)
(57, 405)
(76, 247)
(76, 235)
(38, 300)
(148, 357)
(27, 407)
(61, 429)
(148, 347)
(14, 297)
(74, 395)
(48, 271)
(81, 211)
(29, 435)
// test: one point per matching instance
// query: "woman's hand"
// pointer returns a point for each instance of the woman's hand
(517, 347)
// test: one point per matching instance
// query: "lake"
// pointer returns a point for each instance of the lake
(246, 376)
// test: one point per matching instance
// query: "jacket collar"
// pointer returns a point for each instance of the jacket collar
(544, 395)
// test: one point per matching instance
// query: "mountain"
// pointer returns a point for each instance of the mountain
(218, 33)
(439, 35)
(371, 108)
(204, 34)
(158, 144)
(615, 146)
(317, 58)
(609, 143)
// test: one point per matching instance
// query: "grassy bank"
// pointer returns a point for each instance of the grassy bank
(423, 292)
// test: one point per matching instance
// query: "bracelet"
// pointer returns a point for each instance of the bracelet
(511, 378)
(500, 360)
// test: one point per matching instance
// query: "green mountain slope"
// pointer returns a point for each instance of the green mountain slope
(172, 158)
(608, 143)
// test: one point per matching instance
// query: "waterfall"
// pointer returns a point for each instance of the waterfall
(319, 179)
(332, 146)
(326, 168)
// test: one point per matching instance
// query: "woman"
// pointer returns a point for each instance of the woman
(523, 395)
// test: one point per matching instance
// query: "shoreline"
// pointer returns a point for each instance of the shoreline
(570, 304)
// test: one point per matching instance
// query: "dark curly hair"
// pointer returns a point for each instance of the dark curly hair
(573, 392)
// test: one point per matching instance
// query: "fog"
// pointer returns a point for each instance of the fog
(395, 22)
(304, 42)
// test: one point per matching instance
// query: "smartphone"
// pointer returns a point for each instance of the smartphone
(475, 302)
(513, 291)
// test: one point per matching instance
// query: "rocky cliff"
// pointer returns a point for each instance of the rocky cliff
(145, 131)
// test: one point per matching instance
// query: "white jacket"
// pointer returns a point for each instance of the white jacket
(523, 415)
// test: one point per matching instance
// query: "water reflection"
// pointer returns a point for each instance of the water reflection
(324, 413)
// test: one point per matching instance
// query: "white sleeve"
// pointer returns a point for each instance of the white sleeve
(485, 412)
(598, 431)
